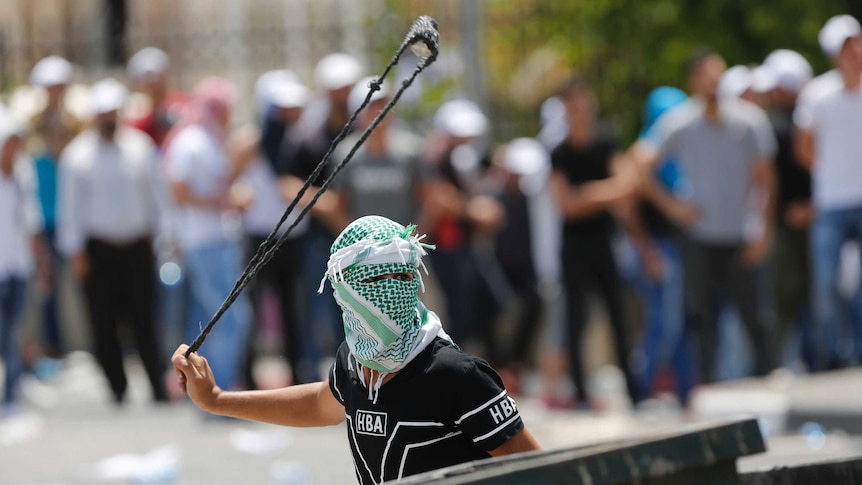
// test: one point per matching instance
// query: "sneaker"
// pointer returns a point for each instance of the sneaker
(511, 382)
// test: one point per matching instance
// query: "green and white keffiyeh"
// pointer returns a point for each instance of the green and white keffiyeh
(385, 324)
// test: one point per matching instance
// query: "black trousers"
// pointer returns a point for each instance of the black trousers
(589, 266)
(283, 273)
(792, 275)
(711, 273)
(516, 353)
(122, 285)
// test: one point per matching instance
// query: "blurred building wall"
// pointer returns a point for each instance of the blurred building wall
(238, 39)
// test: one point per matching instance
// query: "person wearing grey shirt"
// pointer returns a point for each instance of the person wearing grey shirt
(725, 149)
(384, 177)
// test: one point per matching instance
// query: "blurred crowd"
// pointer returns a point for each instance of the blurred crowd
(734, 207)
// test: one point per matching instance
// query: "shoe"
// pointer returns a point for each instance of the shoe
(552, 401)
(511, 382)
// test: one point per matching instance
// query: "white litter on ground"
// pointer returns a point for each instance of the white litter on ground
(161, 465)
(264, 442)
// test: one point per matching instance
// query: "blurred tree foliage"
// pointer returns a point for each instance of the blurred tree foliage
(623, 48)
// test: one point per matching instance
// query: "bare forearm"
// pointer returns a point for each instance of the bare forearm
(766, 180)
(297, 406)
(329, 208)
(184, 196)
(803, 147)
(633, 224)
(659, 196)
(522, 442)
(592, 198)
(577, 202)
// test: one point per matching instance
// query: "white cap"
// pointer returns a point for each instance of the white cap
(836, 31)
(10, 125)
(762, 79)
(783, 68)
(360, 91)
(734, 82)
(51, 71)
(336, 71)
(290, 95)
(526, 156)
(147, 62)
(461, 118)
(266, 84)
(552, 110)
(107, 95)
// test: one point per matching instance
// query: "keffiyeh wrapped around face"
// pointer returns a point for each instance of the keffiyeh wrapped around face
(385, 324)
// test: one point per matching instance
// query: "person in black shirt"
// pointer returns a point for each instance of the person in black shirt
(462, 217)
(790, 71)
(412, 400)
(518, 173)
(301, 151)
(655, 237)
(586, 187)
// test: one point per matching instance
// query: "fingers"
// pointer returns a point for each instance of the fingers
(194, 366)
(199, 364)
(181, 366)
(181, 380)
(179, 360)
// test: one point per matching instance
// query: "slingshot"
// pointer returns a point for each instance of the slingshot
(423, 40)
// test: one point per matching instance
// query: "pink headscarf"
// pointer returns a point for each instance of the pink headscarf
(212, 98)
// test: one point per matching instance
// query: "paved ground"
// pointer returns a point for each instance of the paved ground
(68, 433)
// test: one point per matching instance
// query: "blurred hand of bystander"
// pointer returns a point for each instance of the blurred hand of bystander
(799, 215)
(80, 264)
(485, 213)
(755, 252)
(652, 262)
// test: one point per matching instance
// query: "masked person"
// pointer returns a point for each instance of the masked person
(412, 400)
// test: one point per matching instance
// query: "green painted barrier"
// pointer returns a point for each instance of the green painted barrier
(845, 471)
(702, 455)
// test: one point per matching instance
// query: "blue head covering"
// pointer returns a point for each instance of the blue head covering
(659, 101)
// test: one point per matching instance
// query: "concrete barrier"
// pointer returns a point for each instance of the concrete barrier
(701, 454)
(846, 471)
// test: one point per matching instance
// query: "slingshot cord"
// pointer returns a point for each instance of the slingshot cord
(423, 39)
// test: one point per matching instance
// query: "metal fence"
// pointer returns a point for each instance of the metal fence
(241, 39)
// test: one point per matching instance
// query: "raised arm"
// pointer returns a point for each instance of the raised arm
(645, 159)
(303, 405)
(589, 198)
(330, 208)
(764, 180)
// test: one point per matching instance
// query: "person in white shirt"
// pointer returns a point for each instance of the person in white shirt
(49, 131)
(109, 213)
(201, 173)
(20, 247)
(830, 144)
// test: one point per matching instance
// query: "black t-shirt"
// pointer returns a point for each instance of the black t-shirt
(299, 157)
(271, 138)
(463, 167)
(514, 245)
(444, 408)
(586, 164)
(794, 182)
(302, 156)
